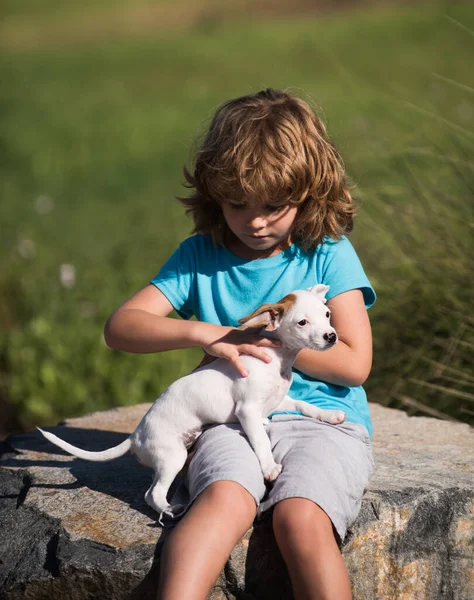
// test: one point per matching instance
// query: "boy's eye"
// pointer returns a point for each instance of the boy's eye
(303, 322)
(273, 209)
(238, 206)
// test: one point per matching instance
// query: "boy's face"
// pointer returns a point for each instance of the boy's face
(261, 231)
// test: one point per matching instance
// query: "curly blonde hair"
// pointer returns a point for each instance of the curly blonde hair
(272, 148)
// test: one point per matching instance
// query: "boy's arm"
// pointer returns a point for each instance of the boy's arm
(347, 363)
(142, 325)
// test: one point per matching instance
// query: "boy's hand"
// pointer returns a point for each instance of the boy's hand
(236, 342)
(207, 359)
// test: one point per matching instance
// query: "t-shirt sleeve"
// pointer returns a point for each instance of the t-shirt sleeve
(342, 271)
(176, 279)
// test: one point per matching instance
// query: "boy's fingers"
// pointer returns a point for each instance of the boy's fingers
(267, 342)
(253, 350)
(239, 365)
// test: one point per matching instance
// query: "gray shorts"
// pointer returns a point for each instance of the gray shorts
(328, 464)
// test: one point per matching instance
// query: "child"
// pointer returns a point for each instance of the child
(270, 206)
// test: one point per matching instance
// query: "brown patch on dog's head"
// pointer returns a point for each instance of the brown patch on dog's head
(275, 311)
(287, 302)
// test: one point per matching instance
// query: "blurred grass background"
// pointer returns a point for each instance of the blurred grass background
(100, 104)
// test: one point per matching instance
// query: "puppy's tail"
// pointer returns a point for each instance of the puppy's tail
(103, 456)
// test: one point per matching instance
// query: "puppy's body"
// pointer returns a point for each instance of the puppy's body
(217, 393)
(209, 395)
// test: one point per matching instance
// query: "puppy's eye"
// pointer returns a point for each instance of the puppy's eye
(303, 322)
(328, 314)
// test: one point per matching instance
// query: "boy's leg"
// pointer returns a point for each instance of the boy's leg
(225, 484)
(305, 536)
(326, 469)
(199, 546)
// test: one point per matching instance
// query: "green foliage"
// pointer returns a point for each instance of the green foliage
(93, 141)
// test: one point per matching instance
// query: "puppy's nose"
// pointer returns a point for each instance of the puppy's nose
(330, 337)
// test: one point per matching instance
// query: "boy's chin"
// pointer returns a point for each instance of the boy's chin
(265, 243)
(248, 247)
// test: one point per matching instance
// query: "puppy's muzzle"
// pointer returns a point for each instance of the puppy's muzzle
(330, 339)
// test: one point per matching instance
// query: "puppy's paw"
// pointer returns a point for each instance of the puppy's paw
(271, 472)
(336, 417)
(171, 514)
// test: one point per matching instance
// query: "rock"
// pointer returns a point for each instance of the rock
(78, 530)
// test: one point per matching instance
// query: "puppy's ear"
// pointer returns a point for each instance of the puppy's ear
(269, 316)
(320, 291)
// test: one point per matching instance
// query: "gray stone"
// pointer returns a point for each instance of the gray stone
(80, 530)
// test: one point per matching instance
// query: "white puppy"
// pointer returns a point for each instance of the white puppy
(217, 393)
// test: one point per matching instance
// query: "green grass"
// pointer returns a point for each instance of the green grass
(103, 129)
(34, 10)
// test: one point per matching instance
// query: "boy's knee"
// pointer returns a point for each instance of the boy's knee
(231, 498)
(296, 518)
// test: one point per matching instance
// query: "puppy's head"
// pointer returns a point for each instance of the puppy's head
(300, 319)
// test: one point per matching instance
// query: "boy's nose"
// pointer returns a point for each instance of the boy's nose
(257, 222)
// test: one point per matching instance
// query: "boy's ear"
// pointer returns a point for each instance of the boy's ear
(320, 291)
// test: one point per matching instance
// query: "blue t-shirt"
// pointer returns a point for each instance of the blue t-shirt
(215, 285)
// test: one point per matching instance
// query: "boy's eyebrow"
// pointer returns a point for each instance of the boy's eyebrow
(253, 203)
